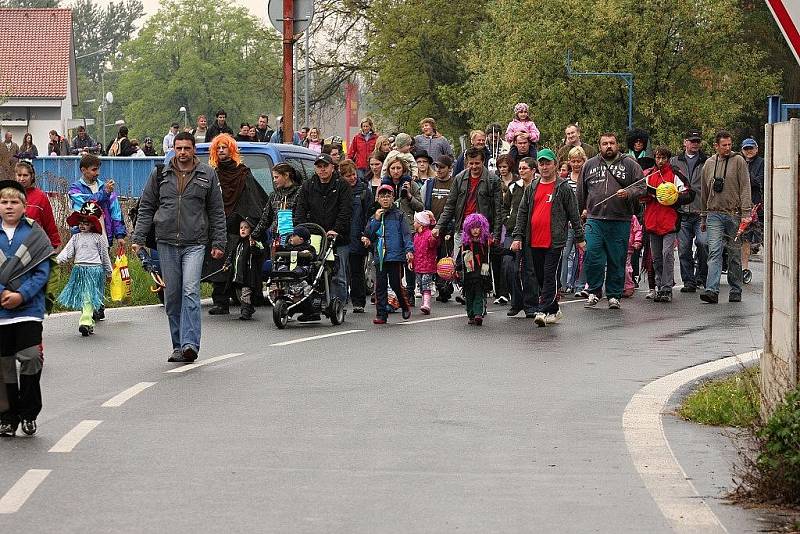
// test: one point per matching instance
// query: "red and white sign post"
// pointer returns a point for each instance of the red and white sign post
(787, 15)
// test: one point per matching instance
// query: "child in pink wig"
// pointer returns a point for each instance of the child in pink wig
(473, 265)
(521, 123)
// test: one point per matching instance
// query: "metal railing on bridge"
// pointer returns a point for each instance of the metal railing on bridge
(55, 173)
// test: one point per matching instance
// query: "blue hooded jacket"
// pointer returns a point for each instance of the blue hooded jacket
(32, 282)
(396, 234)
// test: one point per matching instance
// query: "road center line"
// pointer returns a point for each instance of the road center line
(665, 479)
(22, 490)
(314, 338)
(201, 363)
(119, 400)
(432, 319)
(74, 436)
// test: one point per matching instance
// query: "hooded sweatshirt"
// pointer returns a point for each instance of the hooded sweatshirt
(601, 179)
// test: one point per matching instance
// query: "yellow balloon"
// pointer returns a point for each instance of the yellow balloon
(667, 194)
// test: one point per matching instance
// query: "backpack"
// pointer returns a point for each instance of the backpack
(133, 213)
(116, 146)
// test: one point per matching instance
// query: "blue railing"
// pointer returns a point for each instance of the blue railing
(54, 174)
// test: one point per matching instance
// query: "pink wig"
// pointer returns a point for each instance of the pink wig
(475, 220)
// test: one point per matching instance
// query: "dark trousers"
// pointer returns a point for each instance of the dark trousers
(514, 268)
(498, 276)
(390, 274)
(530, 283)
(547, 266)
(475, 297)
(411, 282)
(220, 294)
(21, 342)
(358, 280)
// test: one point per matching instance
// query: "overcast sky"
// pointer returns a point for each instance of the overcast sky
(257, 8)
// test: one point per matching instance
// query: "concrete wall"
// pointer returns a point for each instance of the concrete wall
(779, 362)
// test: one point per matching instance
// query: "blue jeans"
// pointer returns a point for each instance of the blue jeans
(690, 234)
(721, 229)
(339, 283)
(181, 268)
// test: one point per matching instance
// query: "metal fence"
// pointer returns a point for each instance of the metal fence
(54, 174)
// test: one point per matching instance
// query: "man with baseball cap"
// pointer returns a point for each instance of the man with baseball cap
(690, 163)
(327, 200)
(751, 238)
(547, 208)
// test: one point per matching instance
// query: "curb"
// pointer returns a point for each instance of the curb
(666, 481)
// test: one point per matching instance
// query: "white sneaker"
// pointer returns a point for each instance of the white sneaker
(540, 319)
(651, 294)
(591, 301)
(613, 304)
(418, 294)
(582, 294)
(553, 318)
(503, 300)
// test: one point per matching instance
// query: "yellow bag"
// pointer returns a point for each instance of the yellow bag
(120, 277)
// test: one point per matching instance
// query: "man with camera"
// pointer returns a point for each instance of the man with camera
(725, 203)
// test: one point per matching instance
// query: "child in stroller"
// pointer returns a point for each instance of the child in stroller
(301, 278)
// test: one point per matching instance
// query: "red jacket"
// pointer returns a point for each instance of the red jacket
(40, 210)
(658, 218)
(360, 149)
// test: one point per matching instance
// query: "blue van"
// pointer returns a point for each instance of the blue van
(261, 157)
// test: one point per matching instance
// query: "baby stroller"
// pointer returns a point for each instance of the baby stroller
(305, 290)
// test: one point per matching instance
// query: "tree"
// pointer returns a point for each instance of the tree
(99, 31)
(203, 55)
(691, 66)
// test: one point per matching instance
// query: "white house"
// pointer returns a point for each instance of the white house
(38, 81)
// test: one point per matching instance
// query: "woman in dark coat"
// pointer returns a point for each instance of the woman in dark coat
(242, 197)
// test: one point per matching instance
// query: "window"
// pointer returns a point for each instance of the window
(297, 165)
(261, 167)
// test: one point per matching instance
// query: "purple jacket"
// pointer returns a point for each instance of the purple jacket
(113, 220)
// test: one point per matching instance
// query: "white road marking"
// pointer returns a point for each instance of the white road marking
(22, 490)
(665, 479)
(119, 400)
(201, 363)
(313, 338)
(432, 319)
(74, 436)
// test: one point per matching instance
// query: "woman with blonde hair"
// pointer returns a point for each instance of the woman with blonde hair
(382, 147)
(572, 276)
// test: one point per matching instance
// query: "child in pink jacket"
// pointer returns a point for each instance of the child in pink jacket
(634, 245)
(521, 123)
(426, 248)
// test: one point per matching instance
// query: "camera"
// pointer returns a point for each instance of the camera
(719, 184)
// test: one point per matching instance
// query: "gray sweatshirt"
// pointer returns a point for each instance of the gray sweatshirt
(600, 179)
(87, 248)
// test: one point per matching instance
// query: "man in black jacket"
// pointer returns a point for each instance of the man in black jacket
(219, 126)
(327, 200)
(752, 237)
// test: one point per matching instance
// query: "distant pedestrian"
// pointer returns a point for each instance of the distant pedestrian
(23, 279)
(169, 139)
(184, 204)
(27, 150)
(522, 123)
(313, 140)
(752, 237)
(362, 146)
(263, 131)
(220, 126)
(572, 139)
(431, 141)
(362, 204)
(199, 131)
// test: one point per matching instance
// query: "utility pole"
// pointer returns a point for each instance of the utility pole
(288, 70)
(305, 79)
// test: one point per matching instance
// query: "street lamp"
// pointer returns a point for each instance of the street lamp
(185, 119)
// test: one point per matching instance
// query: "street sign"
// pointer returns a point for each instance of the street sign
(303, 13)
(787, 15)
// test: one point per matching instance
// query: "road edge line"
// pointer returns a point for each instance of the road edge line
(655, 462)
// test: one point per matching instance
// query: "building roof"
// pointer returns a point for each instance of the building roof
(36, 53)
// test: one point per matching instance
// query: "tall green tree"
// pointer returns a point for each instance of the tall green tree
(200, 54)
(691, 66)
(100, 30)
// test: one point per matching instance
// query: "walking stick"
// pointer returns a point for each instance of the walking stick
(623, 189)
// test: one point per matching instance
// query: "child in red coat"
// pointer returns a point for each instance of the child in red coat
(426, 248)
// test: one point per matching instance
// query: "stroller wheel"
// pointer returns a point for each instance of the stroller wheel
(336, 312)
(280, 313)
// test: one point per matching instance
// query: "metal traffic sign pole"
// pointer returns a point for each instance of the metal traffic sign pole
(290, 18)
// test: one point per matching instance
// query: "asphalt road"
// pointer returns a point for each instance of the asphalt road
(431, 426)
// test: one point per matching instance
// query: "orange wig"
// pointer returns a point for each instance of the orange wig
(230, 142)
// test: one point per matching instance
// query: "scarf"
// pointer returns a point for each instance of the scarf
(231, 179)
(34, 250)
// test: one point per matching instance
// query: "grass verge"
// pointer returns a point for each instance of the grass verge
(733, 401)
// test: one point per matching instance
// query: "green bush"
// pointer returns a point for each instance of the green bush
(779, 459)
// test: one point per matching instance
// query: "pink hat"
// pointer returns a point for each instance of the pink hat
(384, 187)
(522, 106)
(425, 218)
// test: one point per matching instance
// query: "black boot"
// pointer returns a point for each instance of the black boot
(219, 310)
(247, 312)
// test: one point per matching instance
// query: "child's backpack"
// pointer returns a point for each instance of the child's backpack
(116, 147)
